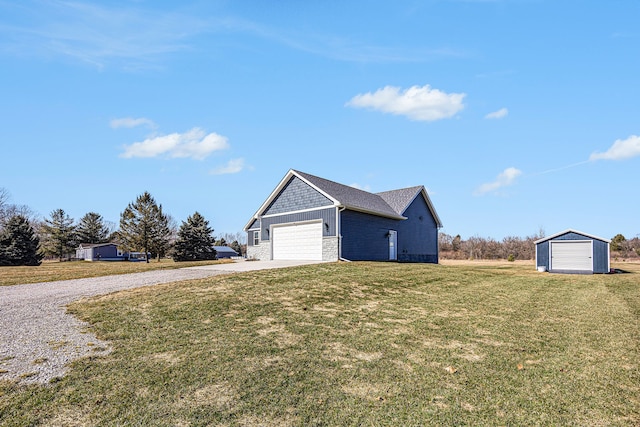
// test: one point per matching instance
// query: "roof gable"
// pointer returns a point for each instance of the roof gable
(570, 230)
(296, 195)
(401, 199)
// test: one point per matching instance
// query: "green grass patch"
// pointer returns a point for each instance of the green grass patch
(50, 271)
(355, 344)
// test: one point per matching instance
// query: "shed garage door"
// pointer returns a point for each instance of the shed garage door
(571, 255)
(298, 242)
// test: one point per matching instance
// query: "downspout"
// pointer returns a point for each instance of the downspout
(339, 227)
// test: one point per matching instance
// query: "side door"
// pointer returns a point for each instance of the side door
(393, 245)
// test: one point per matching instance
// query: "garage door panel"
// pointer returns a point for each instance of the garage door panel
(298, 242)
(571, 256)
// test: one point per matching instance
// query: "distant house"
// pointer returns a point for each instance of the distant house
(107, 252)
(572, 251)
(99, 252)
(311, 218)
(225, 252)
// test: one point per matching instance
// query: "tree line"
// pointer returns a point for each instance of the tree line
(510, 248)
(143, 227)
(516, 248)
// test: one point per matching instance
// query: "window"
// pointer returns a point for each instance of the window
(256, 238)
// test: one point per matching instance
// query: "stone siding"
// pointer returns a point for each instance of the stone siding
(261, 252)
(330, 247)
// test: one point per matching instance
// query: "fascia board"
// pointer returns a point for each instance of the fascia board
(570, 230)
(358, 209)
(335, 201)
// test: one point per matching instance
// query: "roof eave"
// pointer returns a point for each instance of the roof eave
(370, 212)
(571, 230)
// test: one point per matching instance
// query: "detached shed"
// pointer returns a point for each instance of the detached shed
(225, 252)
(572, 251)
(99, 252)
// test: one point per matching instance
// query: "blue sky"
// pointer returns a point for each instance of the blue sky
(516, 115)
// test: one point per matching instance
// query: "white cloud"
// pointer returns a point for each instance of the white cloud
(130, 122)
(361, 187)
(232, 166)
(417, 103)
(501, 113)
(195, 144)
(504, 179)
(621, 149)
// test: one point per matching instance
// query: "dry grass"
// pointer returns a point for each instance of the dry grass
(356, 344)
(50, 271)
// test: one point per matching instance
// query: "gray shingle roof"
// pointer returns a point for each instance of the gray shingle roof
(94, 245)
(224, 249)
(353, 198)
(390, 204)
(399, 200)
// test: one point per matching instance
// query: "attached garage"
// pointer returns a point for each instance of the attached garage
(298, 241)
(573, 251)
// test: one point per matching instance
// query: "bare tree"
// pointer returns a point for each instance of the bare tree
(9, 210)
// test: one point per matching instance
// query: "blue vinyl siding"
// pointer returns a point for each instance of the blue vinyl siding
(600, 256)
(110, 251)
(328, 217)
(364, 236)
(255, 225)
(418, 234)
(296, 195)
(600, 251)
(542, 254)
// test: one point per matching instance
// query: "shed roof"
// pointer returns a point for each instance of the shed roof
(95, 245)
(223, 249)
(570, 230)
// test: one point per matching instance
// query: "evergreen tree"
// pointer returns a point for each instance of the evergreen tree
(144, 227)
(236, 246)
(19, 244)
(195, 240)
(58, 233)
(92, 229)
(617, 243)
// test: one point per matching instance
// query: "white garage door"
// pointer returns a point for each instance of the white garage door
(298, 242)
(571, 255)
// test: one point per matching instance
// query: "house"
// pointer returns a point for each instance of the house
(311, 218)
(99, 252)
(572, 251)
(225, 252)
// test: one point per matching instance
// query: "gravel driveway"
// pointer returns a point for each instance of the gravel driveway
(37, 336)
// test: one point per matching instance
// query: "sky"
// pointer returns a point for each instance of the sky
(516, 115)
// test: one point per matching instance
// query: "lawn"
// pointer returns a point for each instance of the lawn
(50, 271)
(355, 344)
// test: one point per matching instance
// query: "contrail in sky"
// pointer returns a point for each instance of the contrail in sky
(560, 169)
